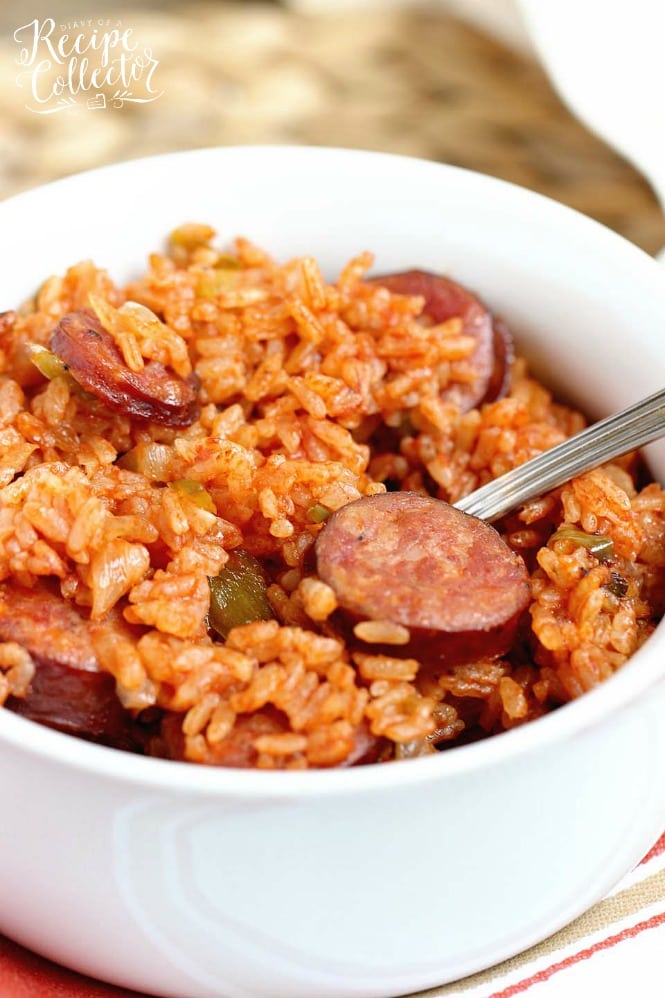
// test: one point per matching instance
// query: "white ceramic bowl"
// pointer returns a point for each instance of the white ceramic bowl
(197, 882)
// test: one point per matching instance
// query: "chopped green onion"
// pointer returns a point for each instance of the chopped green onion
(227, 262)
(617, 585)
(196, 492)
(210, 283)
(598, 544)
(317, 513)
(238, 594)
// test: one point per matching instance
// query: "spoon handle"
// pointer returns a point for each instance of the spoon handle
(618, 434)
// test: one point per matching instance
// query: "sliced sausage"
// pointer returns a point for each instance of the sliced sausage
(446, 299)
(68, 692)
(237, 749)
(445, 577)
(95, 362)
(504, 354)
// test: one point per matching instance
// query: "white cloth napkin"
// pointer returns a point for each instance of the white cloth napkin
(614, 950)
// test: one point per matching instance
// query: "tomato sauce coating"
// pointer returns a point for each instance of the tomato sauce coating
(238, 750)
(445, 299)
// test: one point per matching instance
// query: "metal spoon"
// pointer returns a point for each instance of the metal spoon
(618, 434)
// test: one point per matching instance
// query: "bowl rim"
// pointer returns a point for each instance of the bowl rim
(643, 670)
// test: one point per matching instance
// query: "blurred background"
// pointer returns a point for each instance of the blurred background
(452, 80)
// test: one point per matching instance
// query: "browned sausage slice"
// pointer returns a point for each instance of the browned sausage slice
(93, 359)
(237, 750)
(504, 355)
(446, 299)
(68, 691)
(414, 561)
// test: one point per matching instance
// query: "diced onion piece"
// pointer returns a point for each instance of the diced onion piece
(46, 362)
(318, 513)
(150, 459)
(196, 492)
(210, 283)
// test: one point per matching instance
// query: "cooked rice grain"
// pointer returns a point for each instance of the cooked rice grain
(312, 394)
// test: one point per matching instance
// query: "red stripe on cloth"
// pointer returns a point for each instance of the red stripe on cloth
(656, 850)
(584, 954)
(25, 975)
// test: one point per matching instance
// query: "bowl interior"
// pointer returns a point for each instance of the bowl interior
(585, 305)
